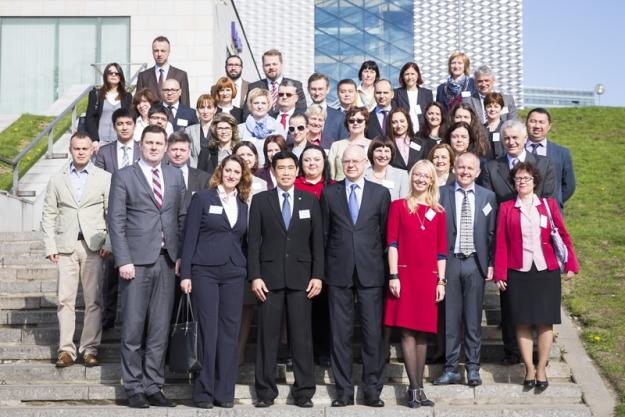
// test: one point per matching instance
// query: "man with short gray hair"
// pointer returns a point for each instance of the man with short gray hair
(485, 83)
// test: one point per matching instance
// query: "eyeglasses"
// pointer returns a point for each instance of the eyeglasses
(355, 121)
(352, 161)
(422, 176)
(223, 128)
(233, 65)
(170, 90)
(519, 180)
(285, 94)
(115, 73)
(301, 128)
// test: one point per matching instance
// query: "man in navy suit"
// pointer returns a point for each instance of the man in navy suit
(355, 212)
(333, 129)
(111, 158)
(379, 117)
(180, 116)
(471, 220)
(538, 126)
(285, 267)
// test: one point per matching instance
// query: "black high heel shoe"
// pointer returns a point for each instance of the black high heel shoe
(529, 384)
(413, 399)
(423, 399)
(542, 385)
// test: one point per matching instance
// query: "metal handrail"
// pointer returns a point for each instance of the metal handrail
(236, 13)
(49, 132)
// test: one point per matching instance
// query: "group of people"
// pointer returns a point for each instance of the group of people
(393, 203)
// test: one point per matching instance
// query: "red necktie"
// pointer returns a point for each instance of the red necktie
(283, 120)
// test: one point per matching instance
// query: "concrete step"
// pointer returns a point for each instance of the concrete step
(32, 300)
(24, 259)
(240, 410)
(42, 335)
(32, 317)
(24, 373)
(392, 394)
(32, 236)
(21, 286)
(41, 270)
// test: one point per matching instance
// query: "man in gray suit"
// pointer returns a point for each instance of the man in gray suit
(471, 221)
(154, 77)
(485, 82)
(111, 158)
(538, 126)
(146, 214)
(178, 154)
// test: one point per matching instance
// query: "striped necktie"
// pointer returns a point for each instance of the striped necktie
(157, 188)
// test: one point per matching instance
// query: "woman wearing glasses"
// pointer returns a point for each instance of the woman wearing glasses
(103, 102)
(527, 268)
(356, 123)
(224, 136)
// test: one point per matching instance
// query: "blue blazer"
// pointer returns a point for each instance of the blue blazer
(565, 176)
(208, 238)
(334, 127)
(185, 113)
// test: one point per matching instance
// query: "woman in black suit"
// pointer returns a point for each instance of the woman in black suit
(223, 92)
(104, 101)
(213, 270)
(411, 96)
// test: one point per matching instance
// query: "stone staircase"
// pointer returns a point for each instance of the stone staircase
(30, 385)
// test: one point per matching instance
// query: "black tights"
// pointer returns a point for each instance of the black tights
(414, 348)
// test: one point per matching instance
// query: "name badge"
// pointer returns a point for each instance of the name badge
(182, 122)
(496, 137)
(543, 221)
(415, 146)
(466, 94)
(504, 110)
(430, 214)
(487, 209)
(304, 214)
(215, 210)
(388, 184)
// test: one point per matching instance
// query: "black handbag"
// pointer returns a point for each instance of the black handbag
(185, 346)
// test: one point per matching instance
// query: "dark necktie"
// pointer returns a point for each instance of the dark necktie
(161, 72)
(466, 226)
(286, 210)
(170, 114)
(353, 203)
(384, 121)
(535, 148)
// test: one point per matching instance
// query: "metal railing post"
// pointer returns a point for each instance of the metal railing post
(74, 125)
(16, 176)
(50, 142)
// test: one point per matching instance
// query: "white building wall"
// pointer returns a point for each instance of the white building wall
(490, 32)
(286, 25)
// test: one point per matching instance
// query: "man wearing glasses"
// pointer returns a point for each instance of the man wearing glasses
(354, 215)
(287, 98)
(179, 115)
(234, 70)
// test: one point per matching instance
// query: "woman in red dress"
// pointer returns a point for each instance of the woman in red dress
(417, 240)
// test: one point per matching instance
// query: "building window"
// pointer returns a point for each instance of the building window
(41, 57)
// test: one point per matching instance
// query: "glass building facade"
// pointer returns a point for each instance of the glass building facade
(349, 32)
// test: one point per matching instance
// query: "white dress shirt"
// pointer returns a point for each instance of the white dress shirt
(541, 149)
(157, 71)
(120, 153)
(147, 172)
(229, 203)
(511, 158)
(415, 109)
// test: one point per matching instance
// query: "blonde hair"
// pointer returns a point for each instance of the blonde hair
(465, 59)
(258, 92)
(431, 195)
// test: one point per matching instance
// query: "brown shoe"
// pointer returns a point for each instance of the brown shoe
(90, 360)
(64, 360)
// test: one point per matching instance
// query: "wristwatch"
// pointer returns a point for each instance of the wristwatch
(393, 276)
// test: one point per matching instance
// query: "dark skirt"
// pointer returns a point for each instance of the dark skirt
(534, 297)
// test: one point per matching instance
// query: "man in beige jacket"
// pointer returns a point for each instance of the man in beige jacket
(76, 240)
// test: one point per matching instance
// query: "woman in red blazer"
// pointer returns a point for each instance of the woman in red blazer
(526, 266)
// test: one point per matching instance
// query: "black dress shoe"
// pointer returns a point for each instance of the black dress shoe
(224, 404)
(203, 404)
(138, 401)
(542, 385)
(304, 402)
(264, 403)
(341, 402)
(159, 400)
(375, 402)
(473, 378)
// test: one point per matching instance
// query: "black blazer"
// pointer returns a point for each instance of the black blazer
(361, 245)
(235, 112)
(416, 152)
(424, 97)
(94, 111)
(197, 181)
(208, 238)
(183, 113)
(496, 173)
(208, 160)
(107, 156)
(285, 258)
(373, 125)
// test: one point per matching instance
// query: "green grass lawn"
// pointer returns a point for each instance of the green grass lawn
(595, 216)
(21, 133)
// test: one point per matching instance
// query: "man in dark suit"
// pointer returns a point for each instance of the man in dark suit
(355, 212)
(154, 77)
(178, 154)
(180, 116)
(333, 128)
(287, 99)
(496, 177)
(272, 66)
(285, 266)
(379, 117)
(538, 126)
(145, 220)
(471, 221)
(111, 158)
(485, 81)
(234, 69)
